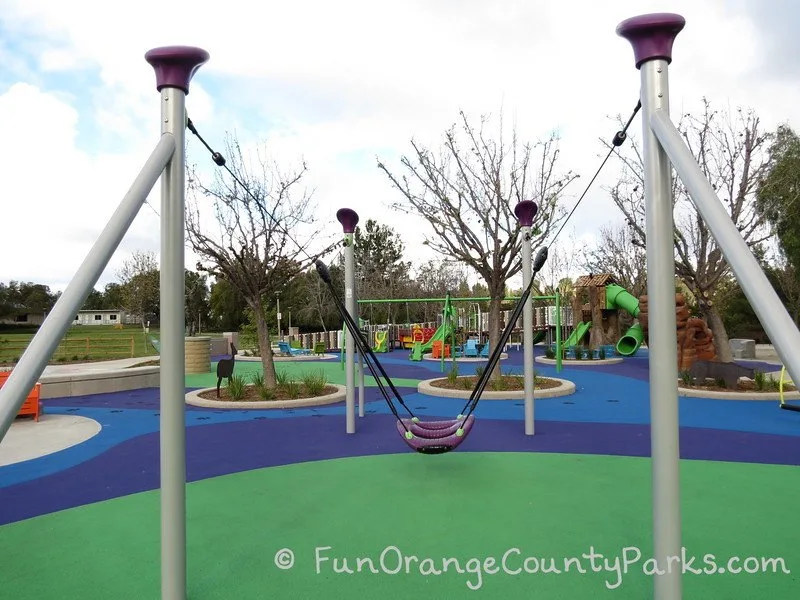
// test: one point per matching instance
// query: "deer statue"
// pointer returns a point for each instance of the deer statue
(225, 368)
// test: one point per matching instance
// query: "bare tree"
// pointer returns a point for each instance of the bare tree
(732, 152)
(619, 252)
(252, 249)
(556, 275)
(467, 193)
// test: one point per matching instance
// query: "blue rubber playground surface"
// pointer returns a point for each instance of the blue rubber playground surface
(607, 419)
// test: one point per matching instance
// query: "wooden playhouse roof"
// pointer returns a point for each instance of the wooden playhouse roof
(598, 280)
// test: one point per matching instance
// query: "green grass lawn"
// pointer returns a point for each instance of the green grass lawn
(85, 342)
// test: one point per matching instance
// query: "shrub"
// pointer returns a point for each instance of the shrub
(315, 382)
(686, 378)
(759, 378)
(601, 354)
(236, 386)
(282, 378)
(257, 379)
(292, 389)
(549, 352)
(452, 376)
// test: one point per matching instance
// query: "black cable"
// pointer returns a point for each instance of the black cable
(363, 348)
(220, 161)
(619, 139)
(480, 386)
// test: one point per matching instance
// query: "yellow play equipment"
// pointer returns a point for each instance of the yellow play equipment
(380, 341)
(780, 390)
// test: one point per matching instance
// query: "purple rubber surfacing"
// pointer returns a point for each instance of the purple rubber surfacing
(348, 218)
(651, 35)
(176, 65)
(221, 449)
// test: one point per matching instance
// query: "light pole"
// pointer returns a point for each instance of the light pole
(278, 296)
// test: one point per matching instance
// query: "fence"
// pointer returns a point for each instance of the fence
(75, 348)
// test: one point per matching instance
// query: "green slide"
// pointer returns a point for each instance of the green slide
(444, 331)
(538, 336)
(578, 333)
(618, 297)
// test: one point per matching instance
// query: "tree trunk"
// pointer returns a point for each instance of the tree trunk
(721, 342)
(264, 345)
(494, 329)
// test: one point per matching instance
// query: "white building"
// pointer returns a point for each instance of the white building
(102, 317)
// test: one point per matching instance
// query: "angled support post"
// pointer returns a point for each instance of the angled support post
(349, 219)
(174, 68)
(41, 348)
(652, 37)
(525, 211)
(766, 303)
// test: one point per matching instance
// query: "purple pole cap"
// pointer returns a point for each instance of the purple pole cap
(348, 218)
(525, 211)
(651, 35)
(176, 65)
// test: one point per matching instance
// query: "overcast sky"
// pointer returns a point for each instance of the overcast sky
(338, 84)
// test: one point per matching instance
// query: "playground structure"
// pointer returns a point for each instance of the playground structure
(651, 37)
(455, 326)
(695, 339)
(595, 308)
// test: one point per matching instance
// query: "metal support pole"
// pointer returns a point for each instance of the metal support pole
(360, 385)
(559, 324)
(525, 212)
(174, 67)
(44, 343)
(357, 309)
(767, 305)
(349, 219)
(652, 37)
(173, 371)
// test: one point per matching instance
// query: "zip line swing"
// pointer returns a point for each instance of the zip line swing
(431, 437)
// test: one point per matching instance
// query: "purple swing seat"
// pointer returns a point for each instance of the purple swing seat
(447, 440)
(433, 429)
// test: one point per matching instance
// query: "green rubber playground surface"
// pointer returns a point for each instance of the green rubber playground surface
(464, 511)
(332, 369)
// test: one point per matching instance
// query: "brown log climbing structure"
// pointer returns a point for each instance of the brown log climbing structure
(695, 340)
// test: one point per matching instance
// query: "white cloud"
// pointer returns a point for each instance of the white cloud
(336, 84)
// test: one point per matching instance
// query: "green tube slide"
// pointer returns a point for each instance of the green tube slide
(618, 297)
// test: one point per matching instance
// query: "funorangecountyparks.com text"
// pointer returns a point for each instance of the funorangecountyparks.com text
(516, 562)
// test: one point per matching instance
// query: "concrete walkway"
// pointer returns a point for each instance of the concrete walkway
(26, 439)
(95, 367)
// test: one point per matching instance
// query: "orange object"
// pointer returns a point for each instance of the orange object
(32, 404)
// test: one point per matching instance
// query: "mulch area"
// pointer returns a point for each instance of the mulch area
(509, 383)
(253, 394)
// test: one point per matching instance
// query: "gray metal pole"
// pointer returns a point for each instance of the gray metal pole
(174, 68)
(525, 212)
(173, 370)
(357, 308)
(652, 37)
(349, 219)
(44, 343)
(772, 313)
(360, 385)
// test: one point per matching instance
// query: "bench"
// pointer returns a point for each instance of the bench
(32, 404)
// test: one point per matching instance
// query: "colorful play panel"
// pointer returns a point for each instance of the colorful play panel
(282, 503)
